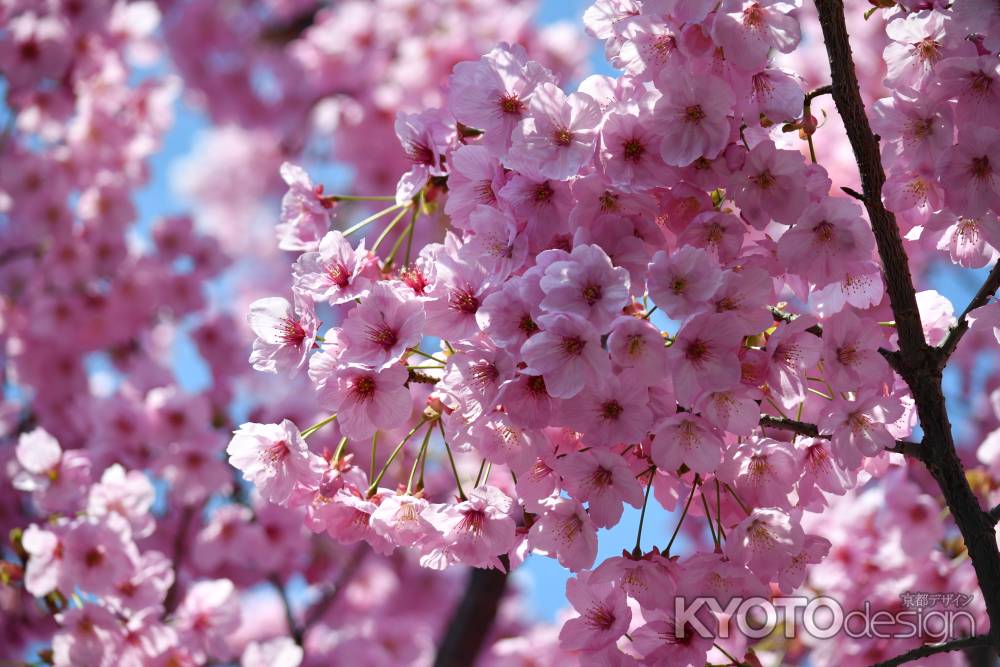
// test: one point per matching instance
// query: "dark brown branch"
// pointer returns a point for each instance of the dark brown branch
(933, 649)
(994, 514)
(822, 90)
(911, 449)
(333, 593)
(917, 362)
(472, 619)
(802, 428)
(986, 290)
(172, 598)
(293, 629)
(853, 193)
(777, 313)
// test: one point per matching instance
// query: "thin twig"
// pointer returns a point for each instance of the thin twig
(986, 290)
(910, 449)
(320, 607)
(933, 649)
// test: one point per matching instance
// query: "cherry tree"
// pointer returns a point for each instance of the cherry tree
(714, 281)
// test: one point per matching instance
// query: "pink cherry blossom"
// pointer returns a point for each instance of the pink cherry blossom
(703, 355)
(692, 117)
(586, 284)
(564, 529)
(567, 354)
(610, 413)
(285, 333)
(771, 186)
(558, 135)
(637, 345)
(827, 236)
(604, 614)
(305, 212)
(492, 93)
(275, 458)
(766, 541)
(475, 531)
(208, 615)
(378, 331)
(604, 480)
(334, 272)
(681, 282)
(686, 439)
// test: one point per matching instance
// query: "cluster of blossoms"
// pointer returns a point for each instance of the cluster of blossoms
(131, 541)
(340, 71)
(642, 287)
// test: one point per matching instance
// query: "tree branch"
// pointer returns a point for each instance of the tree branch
(172, 597)
(988, 289)
(917, 362)
(910, 449)
(472, 619)
(320, 607)
(933, 649)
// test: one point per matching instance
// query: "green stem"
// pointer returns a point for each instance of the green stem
(421, 454)
(409, 238)
(361, 198)
(736, 497)
(479, 475)
(677, 529)
(388, 228)
(370, 219)
(341, 446)
(637, 550)
(708, 517)
(398, 244)
(392, 457)
(424, 354)
(317, 426)
(451, 460)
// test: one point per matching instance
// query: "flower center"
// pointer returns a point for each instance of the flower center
(382, 335)
(542, 193)
(611, 410)
(562, 137)
(364, 387)
(339, 275)
(636, 344)
(600, 617)
(980, 168)
(633, 150)
(573, 346)
(824, 232)
(510, 104)
(764, 180)
(592, 293)
(696, 350)
(473, 522)
(94, 557)
(847, 356)
(694, 114)
(981, 83)
(277, 452)
(464, 301)
(292, 332)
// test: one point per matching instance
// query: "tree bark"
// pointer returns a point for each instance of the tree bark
(472, 619)
(918, 364)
